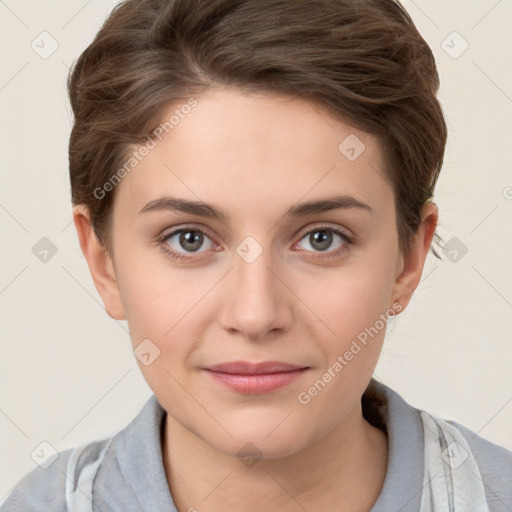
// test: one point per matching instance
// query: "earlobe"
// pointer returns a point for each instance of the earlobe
(100, 263)
(414, 260)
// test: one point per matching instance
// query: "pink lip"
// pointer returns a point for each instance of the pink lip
(255, 377)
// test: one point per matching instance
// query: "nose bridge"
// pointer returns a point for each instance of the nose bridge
(257, 303)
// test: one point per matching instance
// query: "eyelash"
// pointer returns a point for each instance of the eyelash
(330, 255)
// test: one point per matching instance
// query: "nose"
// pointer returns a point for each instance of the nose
(257, 304)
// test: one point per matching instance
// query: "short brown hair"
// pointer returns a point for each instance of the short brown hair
(364, 61)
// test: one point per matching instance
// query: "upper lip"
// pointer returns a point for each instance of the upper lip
(247, 368)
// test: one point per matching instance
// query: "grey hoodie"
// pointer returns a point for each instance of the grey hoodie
(129, 474)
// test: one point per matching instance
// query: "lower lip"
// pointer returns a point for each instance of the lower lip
(262, 383)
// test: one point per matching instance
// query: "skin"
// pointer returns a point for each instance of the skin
(254, 156)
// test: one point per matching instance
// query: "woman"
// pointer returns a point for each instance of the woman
(252, 185)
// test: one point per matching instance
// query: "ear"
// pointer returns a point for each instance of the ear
(100, 263)
(413, 261)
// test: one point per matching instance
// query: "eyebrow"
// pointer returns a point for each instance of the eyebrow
(302, 209)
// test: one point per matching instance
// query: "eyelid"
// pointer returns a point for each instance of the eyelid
(324, 225)
(167, 234)
(301, 233)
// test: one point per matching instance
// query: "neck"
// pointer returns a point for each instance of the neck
(203, 478)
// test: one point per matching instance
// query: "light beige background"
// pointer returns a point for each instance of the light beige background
(67, 373)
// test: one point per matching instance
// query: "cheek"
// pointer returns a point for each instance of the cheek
(150, 305)
(171, 307)
(351, 306)
(348, 300)
(163, 302)
(161, 307)
(155, 294)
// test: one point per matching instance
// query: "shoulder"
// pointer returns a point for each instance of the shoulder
(68, 481)
(495, 465)
(40, 489)
(62, 485)
(404, 424)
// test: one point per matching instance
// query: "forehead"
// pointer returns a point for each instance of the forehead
(253, 152)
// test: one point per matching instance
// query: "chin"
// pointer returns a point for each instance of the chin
(258, 444)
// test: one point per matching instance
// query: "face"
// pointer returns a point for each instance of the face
(269, 279)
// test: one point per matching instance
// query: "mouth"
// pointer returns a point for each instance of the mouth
(255, 378)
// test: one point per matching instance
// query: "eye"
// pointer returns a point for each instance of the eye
(321, 239)
(181, 243)
(185, 240)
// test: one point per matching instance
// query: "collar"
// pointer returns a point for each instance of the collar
(136, 453)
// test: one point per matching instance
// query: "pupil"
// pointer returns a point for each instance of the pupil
(188, 237)
(321, 237)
